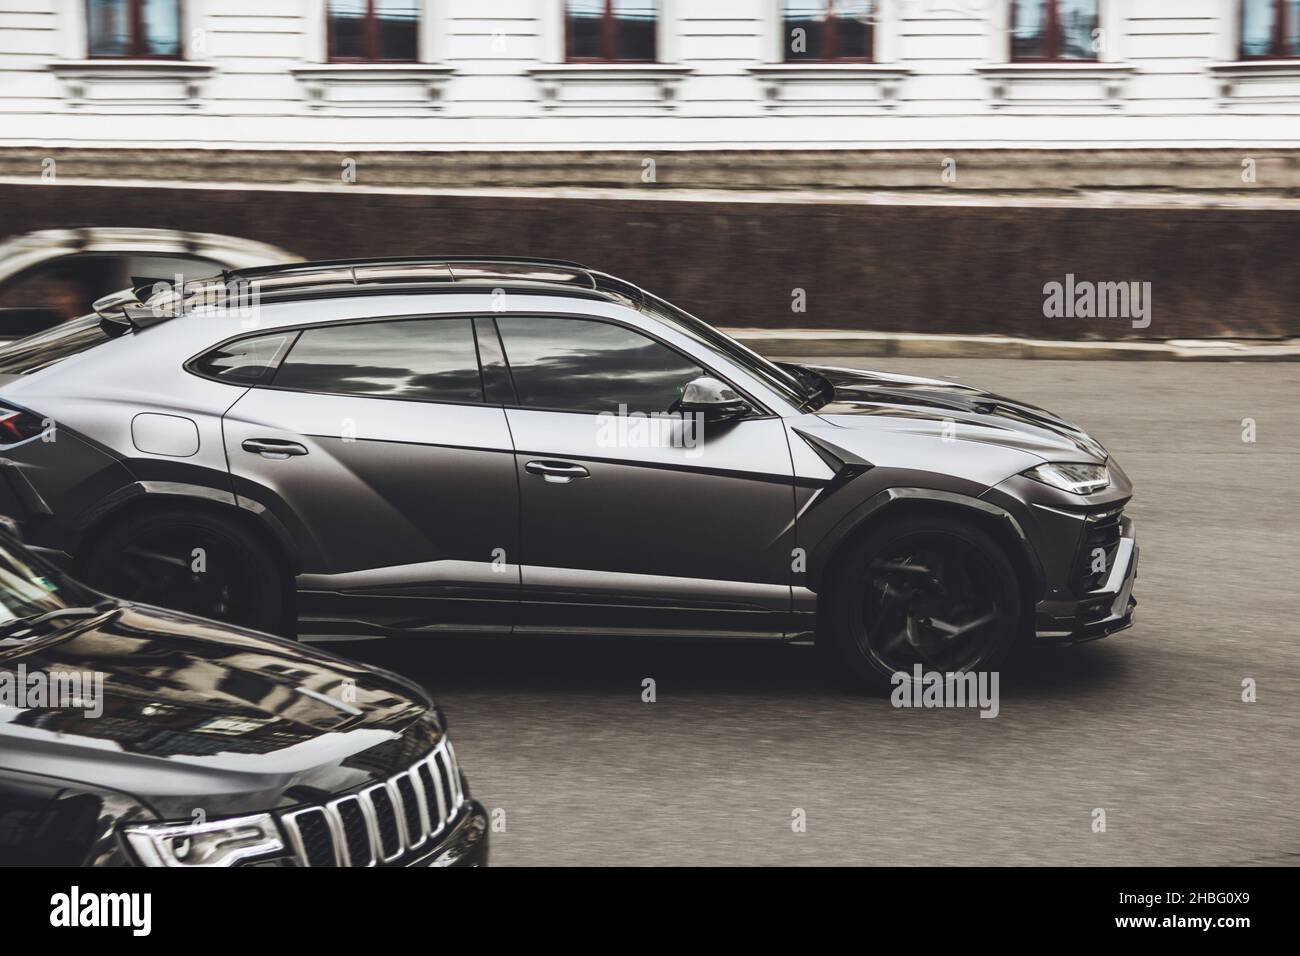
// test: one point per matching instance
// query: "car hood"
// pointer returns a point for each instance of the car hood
(175, 705)
(931, 407)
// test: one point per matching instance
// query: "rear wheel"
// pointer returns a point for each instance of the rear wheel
(924, 590)
(190, 561)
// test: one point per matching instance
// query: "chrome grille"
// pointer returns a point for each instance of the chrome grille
(383, 823)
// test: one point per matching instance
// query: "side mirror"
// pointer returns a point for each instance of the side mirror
(715, 400)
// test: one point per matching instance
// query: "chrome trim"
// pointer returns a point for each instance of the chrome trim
(443, 804)
(399, 803)
(436, 812)
(368, 802)
(341, 850)
(290, 821)
(422, 803)
(399, 811)
(372, 829)
(337, 835)
(453, 770)
(445, 777)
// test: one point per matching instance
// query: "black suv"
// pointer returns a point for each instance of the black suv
(131, 735)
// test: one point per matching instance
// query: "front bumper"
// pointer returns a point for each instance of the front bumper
(1098, 612)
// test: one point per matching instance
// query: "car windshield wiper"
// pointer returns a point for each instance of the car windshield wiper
(21, 628)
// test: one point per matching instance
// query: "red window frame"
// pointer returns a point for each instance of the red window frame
(1280, 8)
(830, 38)
(608, 38)
(370, 39)
(1055, 37)
(135, 15)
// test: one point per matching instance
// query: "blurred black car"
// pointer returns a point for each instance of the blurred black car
(130, 735)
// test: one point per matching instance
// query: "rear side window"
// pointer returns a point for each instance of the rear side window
(246, 361)
(431, 360)
(581, 365)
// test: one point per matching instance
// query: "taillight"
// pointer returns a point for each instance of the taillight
(16, 426)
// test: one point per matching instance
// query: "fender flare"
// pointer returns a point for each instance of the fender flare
(890, 498)
(182, 492)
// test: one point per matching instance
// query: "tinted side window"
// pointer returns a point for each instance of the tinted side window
(431, 360)
(582, 365)
(246, 361)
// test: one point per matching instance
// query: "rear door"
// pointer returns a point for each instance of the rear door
(630, 524)
(373, 446)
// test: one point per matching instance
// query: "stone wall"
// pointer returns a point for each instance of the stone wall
(1272, 172)
(973, 268)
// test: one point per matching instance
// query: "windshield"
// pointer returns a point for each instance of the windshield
(770, 374)
(51, 346)
(29, 586)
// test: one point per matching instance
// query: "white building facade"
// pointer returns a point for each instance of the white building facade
(650, 74)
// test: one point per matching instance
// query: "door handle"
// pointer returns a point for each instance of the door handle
(274, 448)
(560, 472)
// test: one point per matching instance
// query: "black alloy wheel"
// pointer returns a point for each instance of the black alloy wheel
(193, 562)
(936, 592)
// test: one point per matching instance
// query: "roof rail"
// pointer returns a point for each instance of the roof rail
(403, 274)
(320, 264)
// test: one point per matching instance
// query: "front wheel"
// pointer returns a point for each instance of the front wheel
(924, 590)
(191, 561)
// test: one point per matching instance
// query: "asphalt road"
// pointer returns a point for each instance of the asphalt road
(1148, 725)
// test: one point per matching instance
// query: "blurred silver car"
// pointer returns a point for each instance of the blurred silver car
(51, 276)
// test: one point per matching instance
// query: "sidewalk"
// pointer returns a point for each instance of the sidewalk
(841, 343)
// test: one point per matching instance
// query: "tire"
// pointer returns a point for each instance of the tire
(924, 589)
(151, 559)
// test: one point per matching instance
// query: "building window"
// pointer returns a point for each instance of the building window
(1054, 30)
(138, 29)
(611, 31)
(1270, 29)
(373, 31)
(825, 31)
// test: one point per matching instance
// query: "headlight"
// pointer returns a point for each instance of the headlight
(1078, 479)
(216, 843)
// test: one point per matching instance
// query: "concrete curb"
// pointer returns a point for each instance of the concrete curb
(836, 342)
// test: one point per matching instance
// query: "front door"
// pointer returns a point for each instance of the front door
(632, 524)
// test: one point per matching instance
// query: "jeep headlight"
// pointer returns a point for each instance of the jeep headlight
(1078, 479)
(214, 843)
